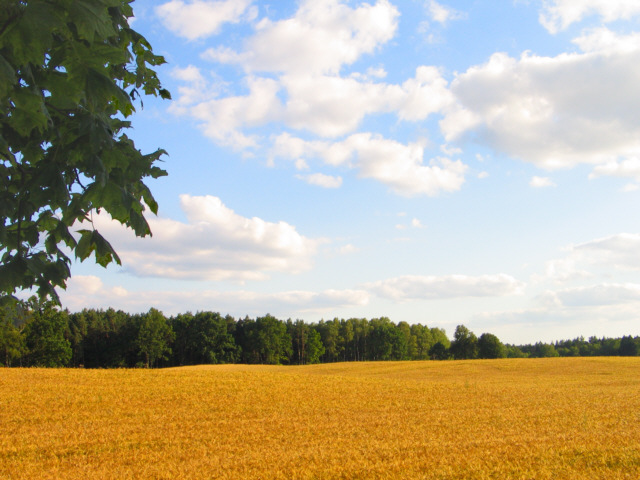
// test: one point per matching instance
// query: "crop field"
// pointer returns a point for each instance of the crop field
(523, 419)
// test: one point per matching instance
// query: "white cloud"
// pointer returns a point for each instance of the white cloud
(441, 13)
(199, 19)
(399, 166)
(593, 295)
(223, 119)
(631, 187)
(90, 292)
(321, 37)
(328, 106)
(415, 287)
(620, 252)
(416, 223)
(628, 168)
(215, 244)
(541, 182)
(348, 249)
(321, 180)
(557, 15)
(332, 106)
(555, 112)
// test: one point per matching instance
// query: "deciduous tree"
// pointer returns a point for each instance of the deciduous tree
(45, 336)
(154, 337)
(69, 74)
(465, 344)
(490, 346)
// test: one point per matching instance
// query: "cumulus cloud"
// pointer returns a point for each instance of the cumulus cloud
(91, 292)
(293, 80)
(215, 244)
(629, 168)
(199, 18)
(620, 252)
(348, 249)
(321, 37)
(441, 13)
(399, 166)
(328, 106)
(331, 106)
(555, 112)
(593, 295)
(416, 287)
(224, 119)
(557, 15)
(541, 182)
(321, 180)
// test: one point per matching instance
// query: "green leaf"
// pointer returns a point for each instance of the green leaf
(7, 76)
(91, 19)
(105, 253)
(65, 67)
(29, 113)
(92, 242)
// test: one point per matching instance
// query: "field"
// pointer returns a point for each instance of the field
(526, 419)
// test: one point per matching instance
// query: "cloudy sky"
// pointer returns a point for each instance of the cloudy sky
(441, 163)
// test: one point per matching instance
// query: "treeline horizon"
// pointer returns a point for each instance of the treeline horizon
(40, 334)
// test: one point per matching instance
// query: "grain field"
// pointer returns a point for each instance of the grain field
(563, 418)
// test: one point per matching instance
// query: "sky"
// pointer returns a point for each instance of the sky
(441, 163)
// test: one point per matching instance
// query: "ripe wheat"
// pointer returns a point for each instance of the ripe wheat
(507, 419)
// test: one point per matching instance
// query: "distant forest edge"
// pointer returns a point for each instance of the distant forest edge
(40, 334)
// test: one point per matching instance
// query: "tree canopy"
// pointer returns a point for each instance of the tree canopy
(36, 333)
(70, 71)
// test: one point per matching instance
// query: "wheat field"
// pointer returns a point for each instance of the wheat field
(505, 419)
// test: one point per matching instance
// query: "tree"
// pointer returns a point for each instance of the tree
(542, 350)
(439, 351)
(203, 338)
(514, 351)
(330, 334)
(628, 346)
(45, 336)
(489, 346)
(465, 344)
(154, 337)
(12, 343)
(423, 341)
(69, 74)
(264, 340)
(382, 338)
(315, 348)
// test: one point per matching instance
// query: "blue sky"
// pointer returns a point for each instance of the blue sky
(442, 163)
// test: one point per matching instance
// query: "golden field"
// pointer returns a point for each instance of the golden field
(562, 418)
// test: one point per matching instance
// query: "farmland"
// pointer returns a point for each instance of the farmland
(560, 418)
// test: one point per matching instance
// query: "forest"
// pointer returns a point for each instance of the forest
(34, 333)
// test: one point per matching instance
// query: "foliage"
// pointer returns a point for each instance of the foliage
(438, 351)
(629, 346)
(99, 338)
(154, 337)
(490, 346)
(69, 73)
(465, 344)
(307, 346)
(205, 337)
(44, 334)
(12, 341)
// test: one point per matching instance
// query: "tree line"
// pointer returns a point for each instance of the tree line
(35, 333)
